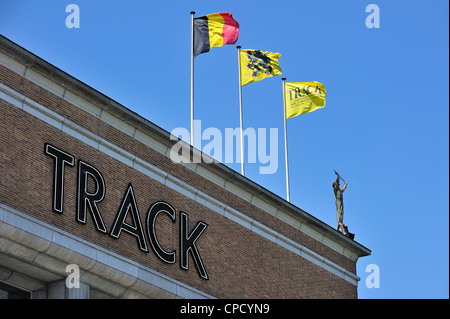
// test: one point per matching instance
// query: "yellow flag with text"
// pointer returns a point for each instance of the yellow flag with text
(303, 97)
(257, 65)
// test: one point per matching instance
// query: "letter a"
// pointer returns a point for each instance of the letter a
(73, 279)
(180, 151)
(73, 19)
(373, 279)
(373, 19)
(129, 205)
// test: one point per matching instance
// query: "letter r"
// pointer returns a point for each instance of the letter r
(87, 200)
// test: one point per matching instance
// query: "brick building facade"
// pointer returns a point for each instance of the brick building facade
(87, 182)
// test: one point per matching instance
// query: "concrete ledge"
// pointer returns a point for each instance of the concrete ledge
(51, 250)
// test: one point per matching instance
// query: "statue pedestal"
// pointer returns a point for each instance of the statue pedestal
(350, 235)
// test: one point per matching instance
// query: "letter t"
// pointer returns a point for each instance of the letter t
(58, 174)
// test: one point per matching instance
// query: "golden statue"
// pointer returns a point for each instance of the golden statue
(340, 206)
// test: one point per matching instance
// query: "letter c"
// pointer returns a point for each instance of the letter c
(153, 212)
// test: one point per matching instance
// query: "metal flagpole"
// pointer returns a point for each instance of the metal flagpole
(192, 77)
(241, 132)
(285, 142)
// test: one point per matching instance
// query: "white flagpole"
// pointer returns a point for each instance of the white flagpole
(285, 142)
(192, 77)
(241, 132)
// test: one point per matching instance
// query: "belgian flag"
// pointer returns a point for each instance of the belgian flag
(214, 30)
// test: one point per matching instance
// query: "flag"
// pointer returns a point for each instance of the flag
(257, 65)
(214, 30)
(303, 97)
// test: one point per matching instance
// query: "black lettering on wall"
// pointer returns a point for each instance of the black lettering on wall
(129, 205)
(87, 200)
(153, 212)
(61, 158)
(187, 244)
(91, 190)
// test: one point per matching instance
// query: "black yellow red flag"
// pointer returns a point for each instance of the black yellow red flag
(214, 30)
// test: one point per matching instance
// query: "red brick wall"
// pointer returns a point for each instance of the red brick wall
(239, 263)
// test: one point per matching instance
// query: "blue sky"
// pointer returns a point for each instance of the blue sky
(385, 126)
